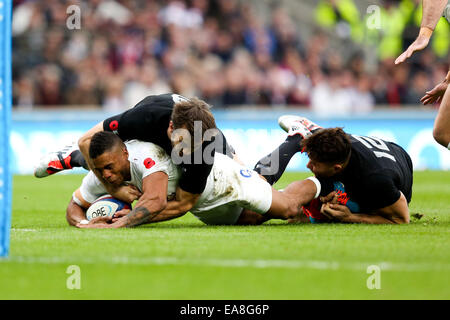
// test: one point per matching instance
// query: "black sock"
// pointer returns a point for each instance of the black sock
(77, 160)
(267, 166)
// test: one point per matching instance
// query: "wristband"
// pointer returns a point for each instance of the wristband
(318, 185)
(84, 221)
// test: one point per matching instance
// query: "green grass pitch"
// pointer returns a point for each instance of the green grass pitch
(184, 259)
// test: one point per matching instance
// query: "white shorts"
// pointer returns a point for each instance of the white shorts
(235, 186)
(227, 214)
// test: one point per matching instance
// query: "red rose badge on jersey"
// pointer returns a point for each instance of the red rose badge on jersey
(114, 125)
(148, 163)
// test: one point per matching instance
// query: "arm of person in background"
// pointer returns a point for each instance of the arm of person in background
(397, 213)
(149, 205)
(436, 94)
(431, 13)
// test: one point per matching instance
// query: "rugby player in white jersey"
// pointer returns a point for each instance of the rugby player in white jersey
(233, 194)
(152, 119)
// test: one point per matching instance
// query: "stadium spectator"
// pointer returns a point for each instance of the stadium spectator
(220, 50)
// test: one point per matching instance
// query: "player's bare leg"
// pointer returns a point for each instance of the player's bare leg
(287, 204)
(441, 130)
(249, 217)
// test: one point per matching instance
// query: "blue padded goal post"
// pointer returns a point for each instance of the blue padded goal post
(5, 125)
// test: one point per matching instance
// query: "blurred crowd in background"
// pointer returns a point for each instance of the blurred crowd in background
(220, 51)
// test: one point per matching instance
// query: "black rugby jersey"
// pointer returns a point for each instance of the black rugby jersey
(376, 173)
(148, 121)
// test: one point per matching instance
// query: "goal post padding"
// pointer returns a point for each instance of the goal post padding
(5, 125)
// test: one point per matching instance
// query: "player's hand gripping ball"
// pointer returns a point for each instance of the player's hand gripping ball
(105, 206)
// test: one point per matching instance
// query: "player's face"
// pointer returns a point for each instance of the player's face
(181, 140)
(113, 166)
(323, 170)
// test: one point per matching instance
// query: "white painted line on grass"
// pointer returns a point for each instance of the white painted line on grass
(23, 230)
(235, 263)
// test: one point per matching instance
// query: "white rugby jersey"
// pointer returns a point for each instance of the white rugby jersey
(145, 158)
(229, 182)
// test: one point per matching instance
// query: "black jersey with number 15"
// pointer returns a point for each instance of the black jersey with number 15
(375, 175)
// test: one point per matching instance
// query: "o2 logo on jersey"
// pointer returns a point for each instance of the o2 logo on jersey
(148, 163)
(246, 173)
(114, 125)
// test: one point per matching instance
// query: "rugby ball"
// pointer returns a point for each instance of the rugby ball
(105, 206)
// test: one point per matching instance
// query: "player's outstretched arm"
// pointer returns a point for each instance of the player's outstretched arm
(183, 202)
(150, 204)
(174, 209)
(85, 140)
(397, 213)
(432, 12)
(76, 211)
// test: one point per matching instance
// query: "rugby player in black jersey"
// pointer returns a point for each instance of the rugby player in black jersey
(363, 179)
(153, 120)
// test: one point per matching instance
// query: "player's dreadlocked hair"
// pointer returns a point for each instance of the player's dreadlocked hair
(101, 142)
(330, 145)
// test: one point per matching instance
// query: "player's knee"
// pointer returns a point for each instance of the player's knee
(251, 219)
(401, 219)
(292, 211)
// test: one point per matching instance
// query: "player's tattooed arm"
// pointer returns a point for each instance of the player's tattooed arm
(141, 216)
(138, 216)
(150, 204)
